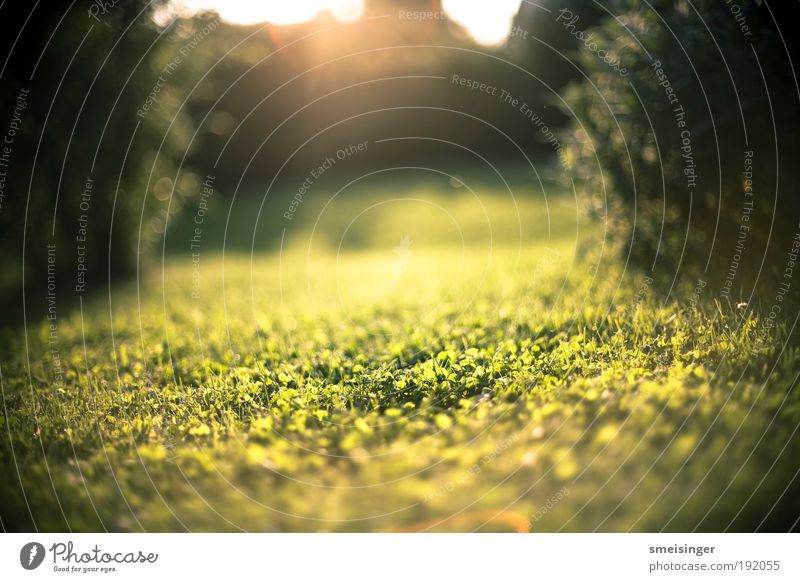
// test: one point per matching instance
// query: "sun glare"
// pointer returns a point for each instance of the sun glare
(488, 23)
(280, 13)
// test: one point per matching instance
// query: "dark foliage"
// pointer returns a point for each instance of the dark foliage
(709, 100)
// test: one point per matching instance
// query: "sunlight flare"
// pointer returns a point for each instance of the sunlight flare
(489, 25)
(281, 13)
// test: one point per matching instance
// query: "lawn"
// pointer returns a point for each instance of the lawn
(437, 361)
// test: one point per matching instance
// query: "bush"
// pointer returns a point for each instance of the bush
(90, 179)
(675, 145)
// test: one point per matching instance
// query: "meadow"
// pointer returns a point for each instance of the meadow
(430, 360)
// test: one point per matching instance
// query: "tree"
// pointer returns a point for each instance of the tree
(95, 92)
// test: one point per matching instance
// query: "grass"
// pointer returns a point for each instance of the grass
(487, 374)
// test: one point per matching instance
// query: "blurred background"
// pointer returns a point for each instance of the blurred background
(147, 99)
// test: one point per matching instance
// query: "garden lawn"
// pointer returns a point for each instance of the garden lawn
(479, 382)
